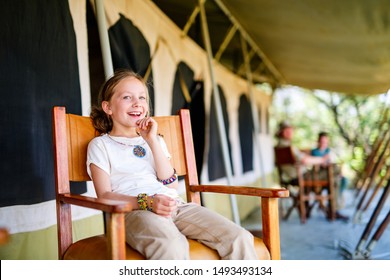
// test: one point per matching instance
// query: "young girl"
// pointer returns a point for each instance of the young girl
(129, 161)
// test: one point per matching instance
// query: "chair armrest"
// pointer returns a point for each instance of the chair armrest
(103, 204)
(269, 209)
(114, 221)
(242, 190)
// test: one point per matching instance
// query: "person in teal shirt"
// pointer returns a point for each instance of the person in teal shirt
(323, 149)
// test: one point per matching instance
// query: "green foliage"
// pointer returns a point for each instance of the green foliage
(357, 160)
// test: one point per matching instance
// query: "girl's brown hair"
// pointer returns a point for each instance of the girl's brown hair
(100, 120)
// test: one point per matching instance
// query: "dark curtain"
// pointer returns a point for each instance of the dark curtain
(216, 166)
(184, 77)
(38, 70)
(130, 50)
(246, 128)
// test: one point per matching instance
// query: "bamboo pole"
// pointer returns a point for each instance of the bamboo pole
(218, 110)
(104, 40)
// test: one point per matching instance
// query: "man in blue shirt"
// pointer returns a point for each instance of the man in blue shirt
(321, 150)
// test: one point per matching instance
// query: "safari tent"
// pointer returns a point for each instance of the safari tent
(60, 52)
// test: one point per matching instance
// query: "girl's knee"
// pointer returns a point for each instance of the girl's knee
(244, 236)
(243, 247)
(155, 237)
(169, 248)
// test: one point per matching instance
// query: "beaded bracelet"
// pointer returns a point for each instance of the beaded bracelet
(142, 200)
(151, 203)
(170, 180)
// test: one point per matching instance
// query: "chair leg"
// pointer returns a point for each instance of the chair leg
(332, 209)
(291, 208)
(332, 202)
(302, 208)
(309, 207)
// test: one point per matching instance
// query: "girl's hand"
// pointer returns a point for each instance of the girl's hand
(147, 127)
(163, 205)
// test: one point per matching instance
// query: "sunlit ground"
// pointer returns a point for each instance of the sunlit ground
(320, 239)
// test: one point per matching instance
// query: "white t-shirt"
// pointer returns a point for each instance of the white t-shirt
(129, 174)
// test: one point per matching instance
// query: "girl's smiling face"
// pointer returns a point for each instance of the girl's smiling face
(128, 104)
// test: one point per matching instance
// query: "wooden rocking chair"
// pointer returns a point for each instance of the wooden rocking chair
(71, 135)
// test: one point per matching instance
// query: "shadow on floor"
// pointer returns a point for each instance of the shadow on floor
(321, 239)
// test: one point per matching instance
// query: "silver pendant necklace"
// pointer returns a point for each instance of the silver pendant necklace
(138, 150)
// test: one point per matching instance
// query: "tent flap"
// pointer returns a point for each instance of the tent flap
(340, 46)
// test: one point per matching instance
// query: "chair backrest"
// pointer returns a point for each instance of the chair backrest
(284, 155)
(80, 132)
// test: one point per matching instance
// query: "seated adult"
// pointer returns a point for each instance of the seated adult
(323, 149)
(285, 135)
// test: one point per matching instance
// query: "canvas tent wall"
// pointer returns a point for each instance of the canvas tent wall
(32, 224)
